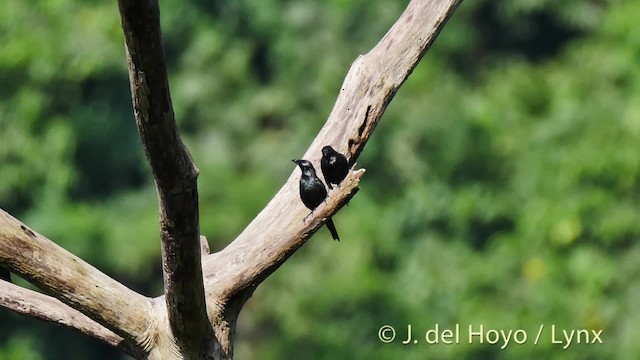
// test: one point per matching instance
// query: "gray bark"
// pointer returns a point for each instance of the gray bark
(204, 293)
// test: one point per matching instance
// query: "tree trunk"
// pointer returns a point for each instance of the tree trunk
(204, 293)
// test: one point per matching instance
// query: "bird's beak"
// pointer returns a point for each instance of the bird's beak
(295, 161)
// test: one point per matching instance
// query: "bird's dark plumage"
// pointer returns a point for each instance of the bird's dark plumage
(334, 166)
(313, 192)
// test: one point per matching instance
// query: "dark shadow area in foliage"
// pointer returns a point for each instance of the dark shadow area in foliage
(535, 36)
(482, 231)
(105, 169)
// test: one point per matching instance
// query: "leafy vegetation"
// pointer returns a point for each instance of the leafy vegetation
(502, 186)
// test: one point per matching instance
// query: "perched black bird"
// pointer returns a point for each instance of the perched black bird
(313, 192)
(334, 166)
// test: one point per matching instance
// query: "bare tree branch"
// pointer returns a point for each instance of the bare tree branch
(371, 83)
(73, 281)
(202, 328)
(43, 307)
(175, 176)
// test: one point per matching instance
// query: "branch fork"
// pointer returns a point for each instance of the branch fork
(204, 293)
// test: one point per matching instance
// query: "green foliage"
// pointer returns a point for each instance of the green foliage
(19, 347)
(502, 186)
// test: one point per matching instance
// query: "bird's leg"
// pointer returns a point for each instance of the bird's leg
(306, 217)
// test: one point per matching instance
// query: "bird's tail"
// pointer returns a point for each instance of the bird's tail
(332, 229)
(5, 275)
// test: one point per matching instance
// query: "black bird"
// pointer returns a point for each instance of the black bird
(313, 192)
(334, 166)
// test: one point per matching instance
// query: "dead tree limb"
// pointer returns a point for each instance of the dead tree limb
(278, 231)
(185, 324)
(175, 176)
(74, 282)
(44, 307)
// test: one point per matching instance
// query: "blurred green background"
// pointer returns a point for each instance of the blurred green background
(502, 185)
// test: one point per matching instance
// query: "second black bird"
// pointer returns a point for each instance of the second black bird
(334, 166)
(313, 192)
